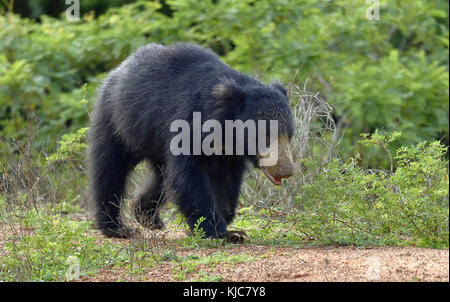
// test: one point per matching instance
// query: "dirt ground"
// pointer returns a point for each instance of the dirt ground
(314, 264)
(272, 263)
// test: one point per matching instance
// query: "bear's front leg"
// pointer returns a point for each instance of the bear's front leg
(191, 188)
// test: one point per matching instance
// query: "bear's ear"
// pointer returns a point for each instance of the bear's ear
(228, 90)
(279, 86)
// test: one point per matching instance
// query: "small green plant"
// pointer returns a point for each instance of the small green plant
(198, 232)
(197, 237)
(72, 147)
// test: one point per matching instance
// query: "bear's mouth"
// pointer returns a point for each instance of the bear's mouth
(275, 180)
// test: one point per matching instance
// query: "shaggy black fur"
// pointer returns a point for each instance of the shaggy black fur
(136, 105)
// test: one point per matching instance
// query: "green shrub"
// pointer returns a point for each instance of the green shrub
(46, 68)
(349, 205)
(389, 74)
(72, 147)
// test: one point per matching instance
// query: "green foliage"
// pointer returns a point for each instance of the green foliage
(198, 231)
(349, 205)
(379, 140)
(40, 252)
(46, 68)
(197, 238)
(408, 96)
(390, 73)
(72, 147)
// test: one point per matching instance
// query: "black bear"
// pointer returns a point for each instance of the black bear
(133, 121)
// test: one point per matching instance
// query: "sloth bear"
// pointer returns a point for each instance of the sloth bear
(133, 120)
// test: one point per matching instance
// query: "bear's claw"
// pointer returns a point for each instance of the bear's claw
(236, 237)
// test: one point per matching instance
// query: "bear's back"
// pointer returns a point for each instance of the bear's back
(170, 61)
(160, 83)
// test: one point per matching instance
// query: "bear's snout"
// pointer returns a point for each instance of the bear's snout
(284, 167)
(286, 171)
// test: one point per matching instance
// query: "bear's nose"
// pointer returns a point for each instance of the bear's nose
(286, 171)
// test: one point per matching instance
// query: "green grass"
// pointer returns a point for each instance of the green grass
(46, 247)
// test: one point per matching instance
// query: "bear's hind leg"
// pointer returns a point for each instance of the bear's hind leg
(150, 201)
(109, 167)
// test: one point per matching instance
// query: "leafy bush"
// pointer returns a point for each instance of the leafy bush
(47, 68)
(389, 74)
(72, 147)
(349, 205)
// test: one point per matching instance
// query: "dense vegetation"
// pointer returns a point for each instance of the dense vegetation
(374, 170)
(390, 74)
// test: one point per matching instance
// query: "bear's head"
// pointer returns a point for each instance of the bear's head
(267, 107)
